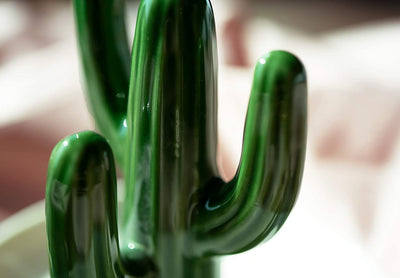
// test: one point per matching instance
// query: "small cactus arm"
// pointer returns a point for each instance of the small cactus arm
(81, 207)
(161, 123)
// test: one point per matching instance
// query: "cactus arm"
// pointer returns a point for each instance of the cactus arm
(105, 60)
(81, 209)
(234, 217)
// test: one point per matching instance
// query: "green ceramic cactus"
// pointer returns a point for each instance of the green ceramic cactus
(160, 119)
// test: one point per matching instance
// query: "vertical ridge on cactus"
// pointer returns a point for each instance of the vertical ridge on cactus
(161, 123)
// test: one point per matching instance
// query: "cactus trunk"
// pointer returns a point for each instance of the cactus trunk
(171, 127)
(161, 124)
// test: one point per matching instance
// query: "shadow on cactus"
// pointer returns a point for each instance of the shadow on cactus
(158, 116)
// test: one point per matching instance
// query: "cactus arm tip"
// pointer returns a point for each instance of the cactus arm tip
(235, 216)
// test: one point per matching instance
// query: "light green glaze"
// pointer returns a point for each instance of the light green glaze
(178, 214)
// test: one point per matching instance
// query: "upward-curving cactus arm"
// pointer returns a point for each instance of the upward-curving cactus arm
(234, 217)
(105, 59)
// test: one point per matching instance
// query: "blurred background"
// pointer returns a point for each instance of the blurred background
(351, 51)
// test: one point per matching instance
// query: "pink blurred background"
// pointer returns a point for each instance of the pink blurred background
(351, 53)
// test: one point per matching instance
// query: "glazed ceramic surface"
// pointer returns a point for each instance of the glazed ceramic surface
(158, 116)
